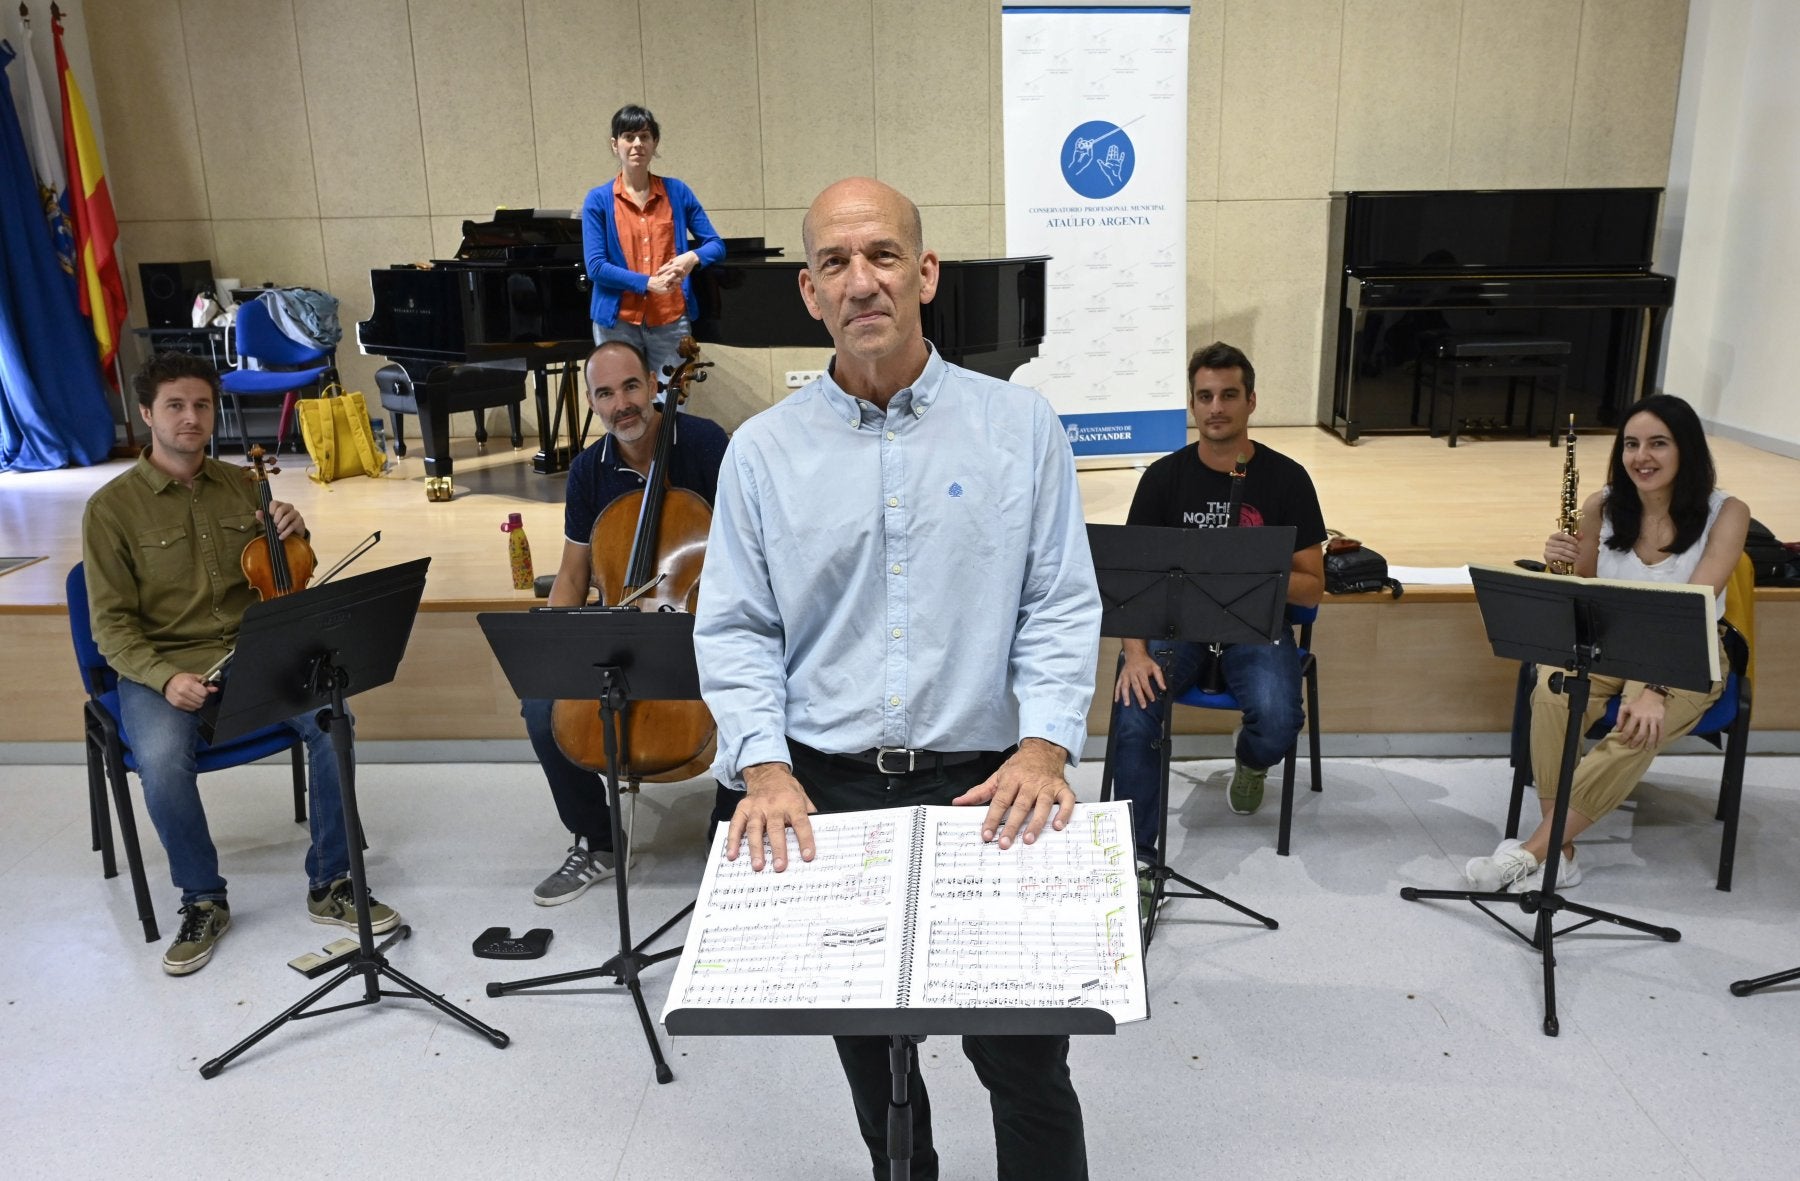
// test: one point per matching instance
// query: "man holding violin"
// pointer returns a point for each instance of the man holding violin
(622, 394)
(163, 548)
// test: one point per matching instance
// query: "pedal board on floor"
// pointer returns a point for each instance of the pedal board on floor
(497, 943)
(317, 963)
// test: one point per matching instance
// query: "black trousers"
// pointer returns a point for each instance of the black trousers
(1038, 1133)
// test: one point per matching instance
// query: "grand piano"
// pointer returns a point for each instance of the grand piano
(988, 314)
(1406, 267)
(514, 297)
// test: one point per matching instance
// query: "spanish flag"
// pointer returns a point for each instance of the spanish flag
(97, 275)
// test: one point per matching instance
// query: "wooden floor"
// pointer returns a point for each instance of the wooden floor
(1415, 500)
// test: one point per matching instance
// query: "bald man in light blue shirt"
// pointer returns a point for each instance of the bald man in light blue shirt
(899, 608)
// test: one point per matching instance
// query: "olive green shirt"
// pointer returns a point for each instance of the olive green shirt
(166, 586)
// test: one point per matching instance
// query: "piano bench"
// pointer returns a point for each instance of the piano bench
(442, 391)
(1474, 357)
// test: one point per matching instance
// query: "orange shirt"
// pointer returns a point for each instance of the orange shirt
(648, 237)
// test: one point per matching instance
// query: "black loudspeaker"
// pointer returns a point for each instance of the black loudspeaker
(169, 291)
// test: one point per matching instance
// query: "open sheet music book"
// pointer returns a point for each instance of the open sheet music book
(907, 907)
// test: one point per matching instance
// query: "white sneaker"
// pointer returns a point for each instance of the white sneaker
(1501, 871)
(1568, 876)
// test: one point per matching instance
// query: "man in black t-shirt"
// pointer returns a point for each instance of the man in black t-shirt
(1192, 488)
(621, 393)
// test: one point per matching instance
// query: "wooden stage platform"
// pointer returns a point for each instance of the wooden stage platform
(1416, 666)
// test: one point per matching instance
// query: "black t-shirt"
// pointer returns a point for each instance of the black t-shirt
(1178, 491)
(598, 477)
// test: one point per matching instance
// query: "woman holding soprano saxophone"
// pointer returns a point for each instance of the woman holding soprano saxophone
(1659, 519)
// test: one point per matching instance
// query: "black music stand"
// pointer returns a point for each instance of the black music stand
(1746, 987)
(1208, 586)
(629, 655)
(904, 1029)
(1659, 635)
(300, 652)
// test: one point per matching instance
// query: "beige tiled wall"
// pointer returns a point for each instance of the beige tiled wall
(306, 141)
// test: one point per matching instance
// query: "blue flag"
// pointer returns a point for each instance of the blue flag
(53, 406)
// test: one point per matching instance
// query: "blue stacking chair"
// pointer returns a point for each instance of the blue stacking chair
(285, 367)
(1725, 724)
(1198, 697)
(109, 754)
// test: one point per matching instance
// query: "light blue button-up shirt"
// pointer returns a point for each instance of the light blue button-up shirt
(918, 577)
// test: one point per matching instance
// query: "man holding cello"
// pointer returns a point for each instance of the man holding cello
(164, 552)
(622, 393)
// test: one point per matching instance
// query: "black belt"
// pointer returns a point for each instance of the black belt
(901, 760)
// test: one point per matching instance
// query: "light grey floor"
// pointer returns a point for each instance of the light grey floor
(1368, 1037)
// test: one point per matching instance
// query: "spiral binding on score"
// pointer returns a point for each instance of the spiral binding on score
(914, 867)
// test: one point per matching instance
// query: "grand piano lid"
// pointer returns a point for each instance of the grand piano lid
(527, 233)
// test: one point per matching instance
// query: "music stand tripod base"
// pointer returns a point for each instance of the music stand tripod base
(560, 653)
(319, 645)
(1662, 636)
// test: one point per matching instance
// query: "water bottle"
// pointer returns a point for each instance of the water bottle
(519, 551)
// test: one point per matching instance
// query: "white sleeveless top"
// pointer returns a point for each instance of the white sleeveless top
(1679, 567)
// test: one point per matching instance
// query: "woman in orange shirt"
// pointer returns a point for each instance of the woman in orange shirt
(642, 236)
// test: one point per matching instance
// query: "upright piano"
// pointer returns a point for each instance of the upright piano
(515, 296)
(988, 314)
(1404, 267)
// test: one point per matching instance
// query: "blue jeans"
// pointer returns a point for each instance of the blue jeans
(660, 344)
(1265, 679)
(580, 794)
(164, 741)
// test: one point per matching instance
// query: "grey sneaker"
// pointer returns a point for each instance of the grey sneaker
(580, 869)
(1505, 869)
(201, 925)
(1247, 789)
(338, 908)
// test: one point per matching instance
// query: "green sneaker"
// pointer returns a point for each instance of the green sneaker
(201, 925)
(1146, 892)
(1247, 789)
(337, 905)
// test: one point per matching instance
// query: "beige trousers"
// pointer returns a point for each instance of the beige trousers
(1606, 775)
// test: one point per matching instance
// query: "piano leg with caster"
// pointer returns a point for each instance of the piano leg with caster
(553, 454)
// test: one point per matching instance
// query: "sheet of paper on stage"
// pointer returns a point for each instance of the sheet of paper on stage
(1430, 575)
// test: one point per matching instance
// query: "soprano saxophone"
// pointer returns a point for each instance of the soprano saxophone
(1569, 520)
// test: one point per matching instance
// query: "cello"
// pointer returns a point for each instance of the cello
(645, 553)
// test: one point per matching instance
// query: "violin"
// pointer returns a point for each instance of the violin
(274, 565)
(645, 552)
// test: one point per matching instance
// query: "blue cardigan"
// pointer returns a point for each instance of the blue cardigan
(606, 257)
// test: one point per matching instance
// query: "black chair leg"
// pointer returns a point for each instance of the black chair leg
(481, 428)
(96, 792)
(1731, 794)
(518, 434)
(399, 423)
(1287, 800)
(297, 754)
(1312, 725)
(134, 854)
(109, 865)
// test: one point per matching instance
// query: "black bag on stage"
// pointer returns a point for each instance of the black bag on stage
(1775, 564)
(1352, 568)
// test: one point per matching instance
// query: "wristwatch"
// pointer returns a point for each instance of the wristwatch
(1662, 689)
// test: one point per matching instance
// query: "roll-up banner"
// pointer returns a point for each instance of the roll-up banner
(1096, 178)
